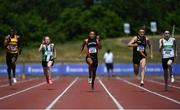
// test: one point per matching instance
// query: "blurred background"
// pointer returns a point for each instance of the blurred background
(68, 22)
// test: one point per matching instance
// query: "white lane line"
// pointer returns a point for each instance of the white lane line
(152, 92)
(119, 106)
(157, 82)
(5, 85)
(24, 90)
(49, 107)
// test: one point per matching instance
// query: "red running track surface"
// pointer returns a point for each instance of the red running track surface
(75, 93)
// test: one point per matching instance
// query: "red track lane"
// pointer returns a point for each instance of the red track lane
(3, 80)
(172, 93)
(80, 96)
(18, 87)
(37, 98)
(131, 97)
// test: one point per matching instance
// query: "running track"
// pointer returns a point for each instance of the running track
(75, 93)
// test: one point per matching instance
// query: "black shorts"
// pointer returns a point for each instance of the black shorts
(11, 57)
(44, 63)
(95, 61)
(164, 62)
(137, 59)
(109, 66)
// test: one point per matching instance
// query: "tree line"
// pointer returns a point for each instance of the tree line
(65, 20)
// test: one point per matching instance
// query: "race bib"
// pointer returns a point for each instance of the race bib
(13, 47)
(92, 50)
(140, 48)
(48, 53)
(167, 51)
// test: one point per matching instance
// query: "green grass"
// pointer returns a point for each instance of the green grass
(69, 52)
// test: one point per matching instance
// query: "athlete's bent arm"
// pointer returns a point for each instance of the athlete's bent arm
(132, 42)
(99, 43)
(82, 46)
(175, 49)
(19, 44)
(54, 53)
(150, 47)
(160, 45)
(40, 48)
(6, 40)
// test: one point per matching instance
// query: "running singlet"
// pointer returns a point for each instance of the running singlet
(12, 46)
(47, 52)
(168, 48)
(141, 47)
(92, 49)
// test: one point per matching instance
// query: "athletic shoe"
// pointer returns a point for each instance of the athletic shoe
(50, 81)
(172, 78)
(142, 83)
(14, 80)
(89, 80)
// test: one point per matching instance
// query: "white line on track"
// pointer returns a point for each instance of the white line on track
(49, 107)
(119, 106)
(152, 92)
(5, 85)
(24, 90)
(157, 82)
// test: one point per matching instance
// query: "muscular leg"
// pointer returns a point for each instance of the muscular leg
(166, 78)
(13, 66)
(136, 69)
(90, 63)
(49, 69)
(8, 62)
(143, 64)
(45, 73)
(169, 63)
(93, 76)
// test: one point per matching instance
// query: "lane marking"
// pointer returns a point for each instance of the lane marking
(119, 106)
(5, 85)
(49, 107)
(157, 82)
(24, 90)
(152, 92)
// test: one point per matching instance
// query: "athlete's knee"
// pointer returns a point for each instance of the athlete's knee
(143, 68)
(169, 63)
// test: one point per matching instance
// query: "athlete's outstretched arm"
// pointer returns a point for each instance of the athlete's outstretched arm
(82, 46)
(132, 42)
(150, 47)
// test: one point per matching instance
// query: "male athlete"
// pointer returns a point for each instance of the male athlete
(139, 44)
(48, 55)
(12, 44)
(167, 47)
(92, 44)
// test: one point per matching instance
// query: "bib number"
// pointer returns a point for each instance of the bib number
(48, 53)
(140, 48)
(167, 51)
(13, 47)
(92, 50)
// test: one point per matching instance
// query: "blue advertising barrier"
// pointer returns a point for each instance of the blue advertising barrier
(82, 69)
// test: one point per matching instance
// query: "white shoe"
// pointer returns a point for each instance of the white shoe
(142, 83)
(172, 79)
(14, 80)
(89, 80)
